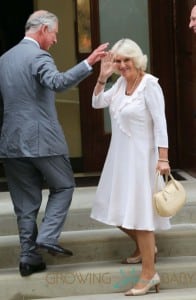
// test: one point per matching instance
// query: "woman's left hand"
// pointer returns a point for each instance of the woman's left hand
(163, 167)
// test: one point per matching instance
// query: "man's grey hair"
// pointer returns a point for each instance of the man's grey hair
(40, 18)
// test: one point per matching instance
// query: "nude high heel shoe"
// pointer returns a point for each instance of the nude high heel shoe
(132, 260)
(154, 282)
(138, 259)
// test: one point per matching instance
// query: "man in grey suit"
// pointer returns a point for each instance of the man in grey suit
(32, 144)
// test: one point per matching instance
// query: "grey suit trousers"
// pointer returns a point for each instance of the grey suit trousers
(25, 178)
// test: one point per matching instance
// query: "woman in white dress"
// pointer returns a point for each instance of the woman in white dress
(138, 148)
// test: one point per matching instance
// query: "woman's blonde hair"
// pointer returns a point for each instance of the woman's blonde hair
(128, 48)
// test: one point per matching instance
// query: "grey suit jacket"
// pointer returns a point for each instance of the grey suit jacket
(28, 118)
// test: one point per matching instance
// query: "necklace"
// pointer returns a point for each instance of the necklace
(133, 86)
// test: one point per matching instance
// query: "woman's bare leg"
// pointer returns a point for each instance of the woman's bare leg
(148, 277)
(132, 234)
(146, 243)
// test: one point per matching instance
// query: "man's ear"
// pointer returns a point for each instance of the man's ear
(44, 28)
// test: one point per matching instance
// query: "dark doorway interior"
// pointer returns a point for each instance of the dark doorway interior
(12, 21)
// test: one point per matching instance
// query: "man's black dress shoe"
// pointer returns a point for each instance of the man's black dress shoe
(28, 269)
(55, 249)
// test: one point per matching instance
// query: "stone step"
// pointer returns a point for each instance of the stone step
(79, 213)
(94, 278)
(172, 294)
(77, 219)
(104, 244)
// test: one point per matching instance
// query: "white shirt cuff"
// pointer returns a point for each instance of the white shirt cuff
(88, 66)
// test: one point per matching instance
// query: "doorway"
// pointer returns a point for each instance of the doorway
(170, 61)
(186, 61)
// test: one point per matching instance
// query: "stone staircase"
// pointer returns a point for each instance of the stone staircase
(95, 271)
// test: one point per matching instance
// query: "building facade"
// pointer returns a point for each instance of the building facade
(160, 27)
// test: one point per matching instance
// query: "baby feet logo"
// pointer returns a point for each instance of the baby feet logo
(126, 278)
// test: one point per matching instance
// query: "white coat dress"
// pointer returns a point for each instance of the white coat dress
(127, 182)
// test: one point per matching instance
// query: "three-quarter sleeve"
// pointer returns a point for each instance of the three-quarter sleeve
(104, 98)
(155, 102)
